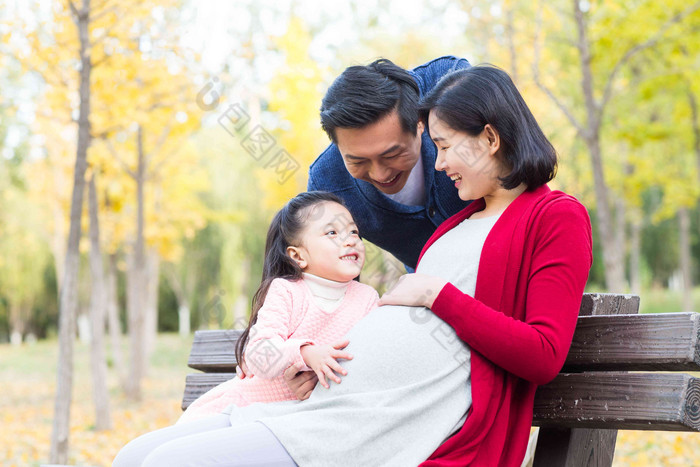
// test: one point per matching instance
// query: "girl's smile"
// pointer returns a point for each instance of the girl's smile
(330, 245)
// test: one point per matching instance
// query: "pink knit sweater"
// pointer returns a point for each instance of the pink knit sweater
(288, 319)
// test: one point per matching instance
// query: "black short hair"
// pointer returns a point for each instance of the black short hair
(363, 95)
(467, 100)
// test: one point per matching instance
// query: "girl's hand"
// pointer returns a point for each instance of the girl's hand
(322, 359)
(414, 290)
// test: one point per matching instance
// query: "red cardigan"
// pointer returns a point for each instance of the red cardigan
(519, 324)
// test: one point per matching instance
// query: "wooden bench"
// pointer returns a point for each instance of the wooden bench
(621, 374)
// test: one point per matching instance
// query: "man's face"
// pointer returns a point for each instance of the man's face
(381, 153)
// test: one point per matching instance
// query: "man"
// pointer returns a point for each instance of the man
(381, 161)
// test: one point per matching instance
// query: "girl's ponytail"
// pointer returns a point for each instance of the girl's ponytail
(285, 229)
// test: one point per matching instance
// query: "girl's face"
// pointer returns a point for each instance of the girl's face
(470, 161)
(330, 245)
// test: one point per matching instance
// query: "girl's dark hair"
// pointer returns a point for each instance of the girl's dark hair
(284, 231)
(466, 100)
(363, 95)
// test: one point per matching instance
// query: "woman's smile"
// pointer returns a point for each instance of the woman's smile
(457, 178)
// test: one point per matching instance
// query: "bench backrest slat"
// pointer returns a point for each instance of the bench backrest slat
(197, 384)
(626, 401)
(667, 342)
(608, 304)
(214, 351)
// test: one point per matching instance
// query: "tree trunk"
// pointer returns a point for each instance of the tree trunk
(181, 292)
(153, 275)
(696, 146)
(16, 324)
(132, 323)
(183, 319)
(692, 101)
(69, 291)
(612, 256)
(620, 235)
(510, 38)
(58, 240)
(98, 304)
(635, 257)
(241, 305)
(83, 322)
(113, 323)
(136, 303)
(68, 300)
(686, 273)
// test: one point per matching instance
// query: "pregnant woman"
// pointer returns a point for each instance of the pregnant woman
(447, 368)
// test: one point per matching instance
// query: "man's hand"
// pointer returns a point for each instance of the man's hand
(322, 359)
(301, 383)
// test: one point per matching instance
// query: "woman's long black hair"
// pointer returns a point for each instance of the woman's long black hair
(284, 231)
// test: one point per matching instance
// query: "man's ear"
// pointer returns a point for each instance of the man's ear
(492, 137)
(297, 255)
(419, 128)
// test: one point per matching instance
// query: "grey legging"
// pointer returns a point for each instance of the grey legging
(206, 442)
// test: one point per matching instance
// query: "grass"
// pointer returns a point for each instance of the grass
(665, 301)
(28, 379)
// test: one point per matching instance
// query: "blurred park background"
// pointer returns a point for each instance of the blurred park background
(127, 177)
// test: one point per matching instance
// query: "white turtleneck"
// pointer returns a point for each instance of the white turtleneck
(327, 293)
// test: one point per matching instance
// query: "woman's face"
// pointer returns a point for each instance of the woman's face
(470, 161)
(330, 245)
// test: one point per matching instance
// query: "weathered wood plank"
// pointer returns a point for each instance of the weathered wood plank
(667, 342)
(567, 445)
(624, 401)
(609, 304)
(631, 401)
(593, 400)
(214, 351)
(197, 384)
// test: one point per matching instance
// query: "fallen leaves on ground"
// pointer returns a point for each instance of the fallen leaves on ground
(28, 380)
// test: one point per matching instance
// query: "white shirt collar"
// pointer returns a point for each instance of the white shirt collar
(325, 288)
(413, 192)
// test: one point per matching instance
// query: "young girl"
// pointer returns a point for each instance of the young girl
(306, 303)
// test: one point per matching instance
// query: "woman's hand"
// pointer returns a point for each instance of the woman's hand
(322, 359)
(414, 290)
(301, 383)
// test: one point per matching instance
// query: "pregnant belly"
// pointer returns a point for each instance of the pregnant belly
(408, 367)
(397, 346)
